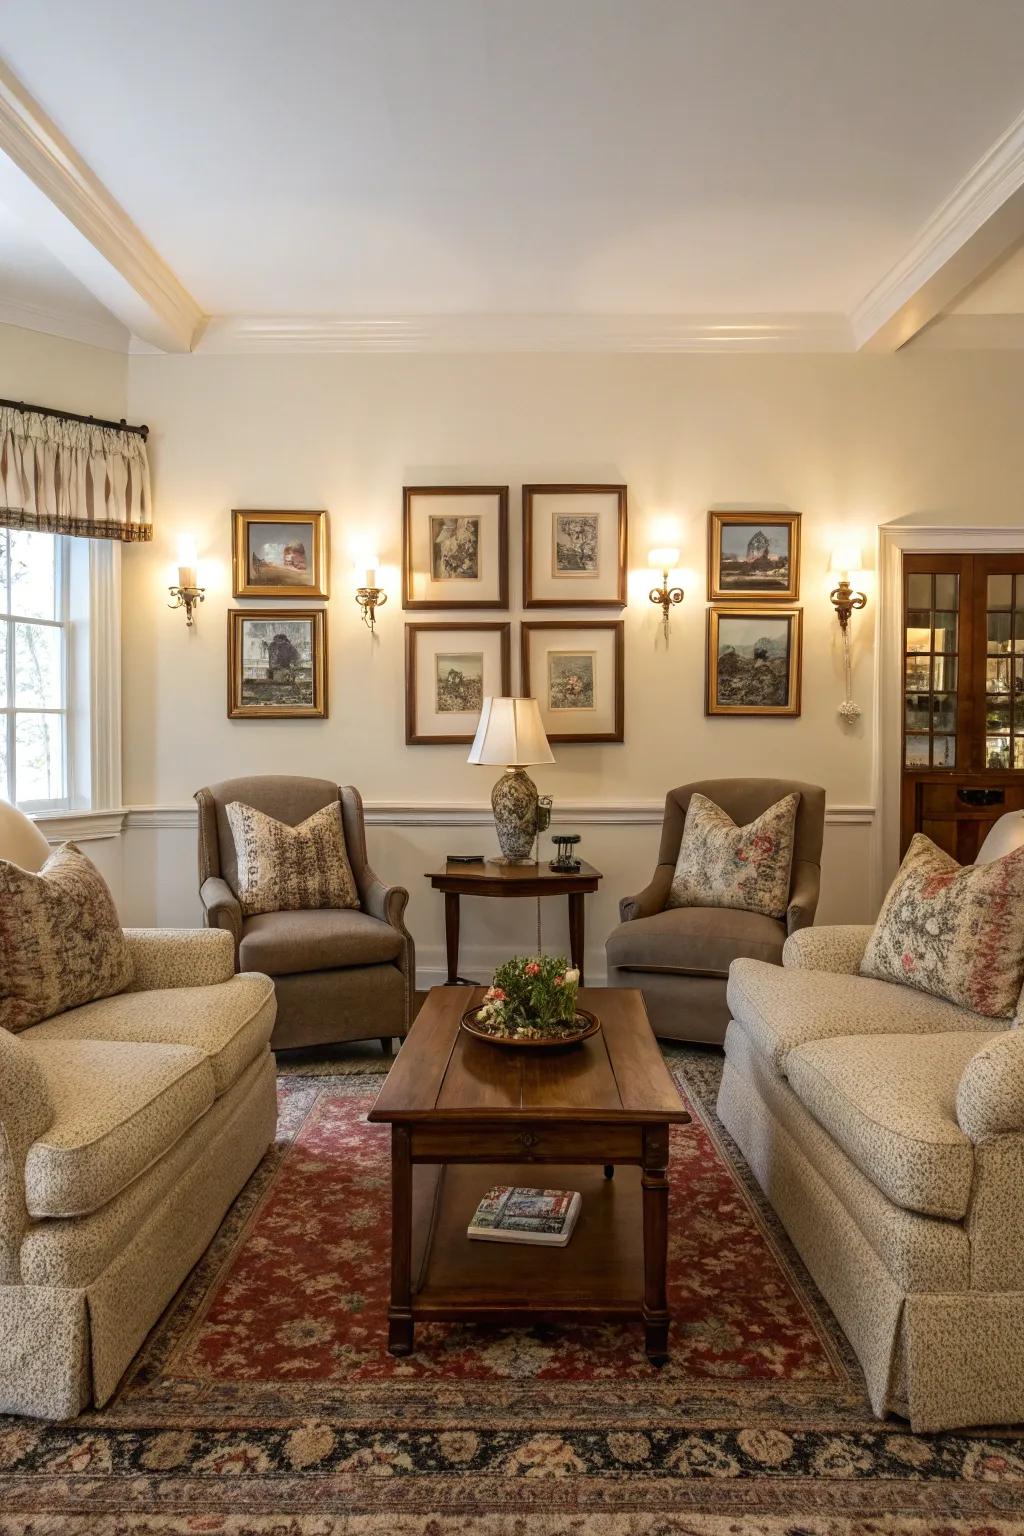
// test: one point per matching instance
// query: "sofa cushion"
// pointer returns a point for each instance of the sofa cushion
(284, 943)
(781, 1009)
(990, 1097)
(281, 868)
(723, 865)
(60, 939)
(956, 931)
(118, 1107)
(229, 1023)
(889, 1103)
(695, 941)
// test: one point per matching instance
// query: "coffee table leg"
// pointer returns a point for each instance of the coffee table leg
(655, 1203)
(576, 930)
(400, 1324)
(451, 935)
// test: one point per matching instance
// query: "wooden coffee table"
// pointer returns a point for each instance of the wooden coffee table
(465, 1114)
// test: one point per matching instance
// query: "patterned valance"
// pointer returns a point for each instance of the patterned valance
(62, 476)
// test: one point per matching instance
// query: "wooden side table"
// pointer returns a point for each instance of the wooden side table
(502, 880)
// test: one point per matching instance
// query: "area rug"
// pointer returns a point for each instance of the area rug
(265, 1401)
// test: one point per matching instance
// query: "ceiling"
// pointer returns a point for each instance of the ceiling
(760, 159)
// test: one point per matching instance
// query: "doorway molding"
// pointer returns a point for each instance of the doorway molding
(894, 541)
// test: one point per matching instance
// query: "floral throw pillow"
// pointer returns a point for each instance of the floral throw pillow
(723, 865)
(956, 931)
(61, 942)
(290, 869)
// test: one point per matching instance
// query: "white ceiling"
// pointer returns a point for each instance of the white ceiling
(551, 157)
(36, 290)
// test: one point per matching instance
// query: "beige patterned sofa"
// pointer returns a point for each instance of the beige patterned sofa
(127, 1127)
(887, 1128)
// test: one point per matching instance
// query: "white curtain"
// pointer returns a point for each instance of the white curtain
(68, 477)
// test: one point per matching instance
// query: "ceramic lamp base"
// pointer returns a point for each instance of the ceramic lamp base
(514, 803)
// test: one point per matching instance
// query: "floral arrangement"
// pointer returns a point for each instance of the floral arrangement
(531, 999)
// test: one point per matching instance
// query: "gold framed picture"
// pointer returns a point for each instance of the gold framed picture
(574, 546)
(754, 658)
(449, 670)
(279, 554)
(574, 669)
(754, 557)
(277, 664)
(455, 546)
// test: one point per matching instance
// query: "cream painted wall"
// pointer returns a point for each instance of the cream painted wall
(46, 370)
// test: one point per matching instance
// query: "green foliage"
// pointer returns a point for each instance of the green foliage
(534, 993)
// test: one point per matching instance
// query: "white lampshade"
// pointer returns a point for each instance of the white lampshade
(846, 558)
(663, 559)
(510, 733)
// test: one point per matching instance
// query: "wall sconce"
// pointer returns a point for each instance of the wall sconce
(369, 596)
(188, 592)
(666, 596)
(844, 600)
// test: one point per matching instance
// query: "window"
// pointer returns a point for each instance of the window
(34, 745)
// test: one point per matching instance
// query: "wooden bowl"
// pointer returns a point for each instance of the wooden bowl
(590, 1022)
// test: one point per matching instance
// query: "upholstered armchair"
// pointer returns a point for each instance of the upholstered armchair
(679, 957)
(339, 974)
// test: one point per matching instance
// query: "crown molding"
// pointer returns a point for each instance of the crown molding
(977, 222)
(109, 335)
(110, 255)
(228, 334)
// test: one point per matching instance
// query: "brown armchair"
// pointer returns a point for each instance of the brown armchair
(680, 956)
(339, 974)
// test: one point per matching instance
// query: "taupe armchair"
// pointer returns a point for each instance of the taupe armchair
(679, 957)
(339, 975)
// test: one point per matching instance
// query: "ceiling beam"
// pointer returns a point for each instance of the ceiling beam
(47, 185)
(979, 222)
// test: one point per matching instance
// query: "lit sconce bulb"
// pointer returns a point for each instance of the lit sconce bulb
(368, 592)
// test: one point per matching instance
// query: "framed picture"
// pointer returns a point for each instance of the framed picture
(753, 660)
(449, 669)
(277, 664)
(574, 669)
(279, 554)
(754, 555)
(574, 546)
(455, 546)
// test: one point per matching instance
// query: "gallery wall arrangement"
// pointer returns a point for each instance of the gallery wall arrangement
(754, 645)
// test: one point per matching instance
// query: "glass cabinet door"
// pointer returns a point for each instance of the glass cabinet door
(931, 662)
(1004, 671)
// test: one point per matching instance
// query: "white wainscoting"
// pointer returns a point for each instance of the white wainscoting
(148, 855)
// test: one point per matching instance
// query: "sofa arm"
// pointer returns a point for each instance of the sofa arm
(803, 897)
(387, 903)
(179, 957)
(990, 1095)
(651, 899)
(26, 1111)
(222, 907)
(839, 948)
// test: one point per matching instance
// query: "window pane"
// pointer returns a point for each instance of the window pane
(946, 592)
(5, 786)
(39, 763)
(3, 670)
(38, 680)
(33, 574)
(1018, 674)
(1018, 631)
(999, 631)
(1000, 592)
(919, 592)
(1018, 751)
(944, 674)
(997, 674)
(944, 752)
(1019, 592)
(945, 631)
(917, 752)
(919, 673)
(997, 751)
(945, 711)
(997, 713)
(919, 630)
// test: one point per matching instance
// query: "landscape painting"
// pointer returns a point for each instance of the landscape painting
(459, 682)
(753, 662)
(575, 544)
(455, 548)
(280, 554)
(754, 556)
(571, 680)
(276, 664)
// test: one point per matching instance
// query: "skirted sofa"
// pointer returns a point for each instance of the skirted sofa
(886, 1126)
(127, 1127)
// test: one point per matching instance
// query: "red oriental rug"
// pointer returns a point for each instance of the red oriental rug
(265, 1401)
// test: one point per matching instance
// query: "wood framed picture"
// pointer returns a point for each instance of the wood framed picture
(455, 546)
(753, 660)
(754, 556)
(277, 664)
(574, 546)
(575, 671)
(449, 670)
(279, 554)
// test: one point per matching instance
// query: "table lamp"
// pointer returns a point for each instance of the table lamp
(510, 733)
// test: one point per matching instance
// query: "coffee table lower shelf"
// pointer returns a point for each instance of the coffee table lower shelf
(599, 1274)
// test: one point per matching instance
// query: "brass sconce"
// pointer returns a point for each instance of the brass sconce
(667, 597)
(845, 600)
(370, 596)
(188, 593)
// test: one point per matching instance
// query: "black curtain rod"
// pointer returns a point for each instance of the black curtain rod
(90, 421)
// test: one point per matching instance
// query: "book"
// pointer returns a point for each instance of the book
(510, 1214)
